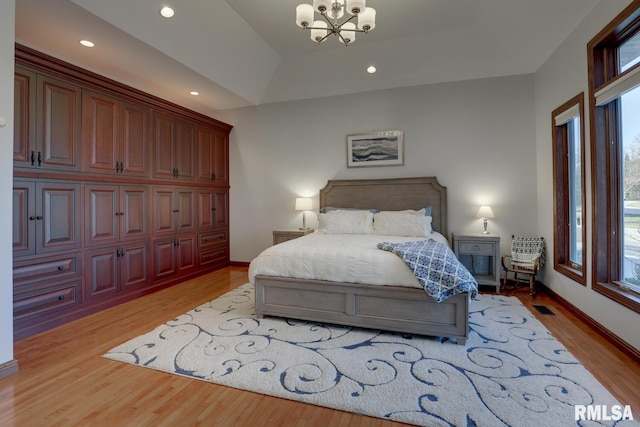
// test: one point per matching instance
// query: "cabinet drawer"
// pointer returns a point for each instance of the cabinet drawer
(50, 269)
(214, 256)
(210, 239)
(46, 300)
(480, 248)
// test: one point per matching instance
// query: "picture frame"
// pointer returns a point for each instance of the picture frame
(379, 148)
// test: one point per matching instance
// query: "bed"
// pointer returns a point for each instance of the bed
(389, 307)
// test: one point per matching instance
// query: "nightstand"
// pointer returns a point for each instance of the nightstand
(479, 253)
(280, 236)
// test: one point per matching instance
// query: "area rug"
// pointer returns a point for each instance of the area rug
(511, 372)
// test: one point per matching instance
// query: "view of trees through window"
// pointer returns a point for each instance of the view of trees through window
(630, 127)
(575, 190)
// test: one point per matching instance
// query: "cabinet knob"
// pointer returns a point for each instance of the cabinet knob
(61, 267)
(61, 297)
(476, 247)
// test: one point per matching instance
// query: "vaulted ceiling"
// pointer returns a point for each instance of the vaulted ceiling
(239, 53)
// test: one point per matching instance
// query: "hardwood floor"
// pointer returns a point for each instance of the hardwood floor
(63, 380)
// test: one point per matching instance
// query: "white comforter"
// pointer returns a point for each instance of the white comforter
(349, 258)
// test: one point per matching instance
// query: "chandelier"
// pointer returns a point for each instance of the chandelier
(332, 11)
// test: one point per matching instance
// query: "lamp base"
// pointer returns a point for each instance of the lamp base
(485, 226)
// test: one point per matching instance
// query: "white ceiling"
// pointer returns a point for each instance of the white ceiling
(239, 53)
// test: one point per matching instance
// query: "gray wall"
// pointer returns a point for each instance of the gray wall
(477, 137)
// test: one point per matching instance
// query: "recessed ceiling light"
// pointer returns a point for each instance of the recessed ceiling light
(87, 43)
(194, 93)
(167, 12)
(371, 69)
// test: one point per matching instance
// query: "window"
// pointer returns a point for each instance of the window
(614, 92)
(568, 169)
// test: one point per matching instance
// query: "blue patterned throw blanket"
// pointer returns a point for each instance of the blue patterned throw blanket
(435, 266)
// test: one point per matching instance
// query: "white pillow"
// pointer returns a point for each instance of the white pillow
(408, 224)
(421, 212)
(346, 222)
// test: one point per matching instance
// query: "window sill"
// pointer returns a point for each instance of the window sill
(613, 291)
(574, 274)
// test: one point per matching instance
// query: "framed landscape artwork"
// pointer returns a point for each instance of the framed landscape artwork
(384, 148)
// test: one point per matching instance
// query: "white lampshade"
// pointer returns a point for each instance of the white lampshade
(304, 15)
(318, 35)
(485, 212)
(349, 36)
(303, 204)
(322, 4)
(356, 6)
(367, 19)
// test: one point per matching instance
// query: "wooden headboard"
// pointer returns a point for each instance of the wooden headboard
(389, 195)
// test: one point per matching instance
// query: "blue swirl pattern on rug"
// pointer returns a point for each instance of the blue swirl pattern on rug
(511, 373)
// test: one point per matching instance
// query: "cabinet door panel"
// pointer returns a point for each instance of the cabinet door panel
(23, 217)
(163, 146)
(101, 209)
(221, 208)
(186, 212)
(184, 155)
(133, 212)
(205, 155)
(134, 262)
(221, 157)
(58, 123)
(100, 127)
(205, 209)
(24, 117)
(101, 273)
(186, 253)
(58, 205)
(163, 210)
(134, 149)
(164, 258)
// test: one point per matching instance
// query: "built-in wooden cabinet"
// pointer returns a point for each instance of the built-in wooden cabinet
(174, 210)
(212, 209)
(174, 148)
(212, 156)
(57, 124)
(115, 135)
(48, 122)
(46, 216)
(174, 255)
(113, 269)
(115, 213)
(116, 193)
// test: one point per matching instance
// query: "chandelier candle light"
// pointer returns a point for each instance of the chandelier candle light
(485, 212)
(332, 11)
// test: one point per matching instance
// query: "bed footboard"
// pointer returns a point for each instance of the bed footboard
(392, 308)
